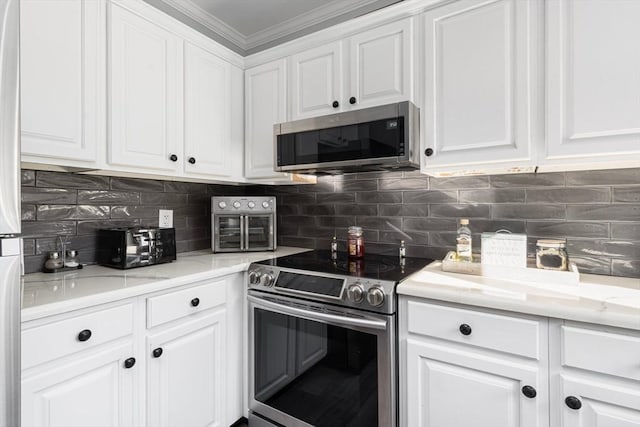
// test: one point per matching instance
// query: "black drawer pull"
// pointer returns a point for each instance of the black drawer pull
(465, 329)
(428, 152)
(130, 362)
(352, 100)
(529, 391)
(335, 104)
(84, 335)
(195, 302)
(173, 158)
(192, 160)
(573, 402)
(157, 352)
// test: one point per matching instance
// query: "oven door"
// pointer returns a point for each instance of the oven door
(228, 234)
(259, 232)
(316, 365)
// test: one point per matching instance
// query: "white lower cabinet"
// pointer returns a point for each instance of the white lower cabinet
(94, 389)
(186, 374)
(461, 371)
(129, 364)
(81, 369)
(595, 376)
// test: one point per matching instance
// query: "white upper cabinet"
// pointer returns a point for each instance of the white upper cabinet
(265, 106)
(371, 68)
(210, 84)
(593, 81)
(316, 81)
(479, 77)
(144, 93)
(381, 65)
(62, 73)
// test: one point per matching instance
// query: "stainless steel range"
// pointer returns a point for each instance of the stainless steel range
(322, 339)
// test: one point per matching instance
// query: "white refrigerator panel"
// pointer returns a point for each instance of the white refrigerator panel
(9, 119)
(10, 304)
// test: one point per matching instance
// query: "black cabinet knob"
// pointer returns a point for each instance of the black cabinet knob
(428, 152)
(157, 352)
(465, 329)
(573, 402)
(173, 158)
(130, 362)
(529, 391)
(335, 104)
(195, 302)
(352, 100)
(84, 335)
(192, 160)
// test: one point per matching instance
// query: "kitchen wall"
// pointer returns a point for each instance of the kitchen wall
(76, 206)
(597, 211)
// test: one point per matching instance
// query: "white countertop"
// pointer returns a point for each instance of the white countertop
(613, 301)
(47, 294)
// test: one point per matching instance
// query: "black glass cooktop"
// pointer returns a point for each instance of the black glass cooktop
(378, 267)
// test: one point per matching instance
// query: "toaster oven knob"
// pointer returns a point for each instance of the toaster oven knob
(268, 280)
(355, 292)
(375, 296)
(222, 205)
(265, 204)
(236, 204)
(251, 205)
(254, 277)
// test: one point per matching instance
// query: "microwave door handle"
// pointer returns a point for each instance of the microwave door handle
(313, 315)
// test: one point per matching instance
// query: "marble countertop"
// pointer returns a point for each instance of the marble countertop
(606, 300)
(48, 294)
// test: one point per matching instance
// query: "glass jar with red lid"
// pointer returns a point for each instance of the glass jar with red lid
(355, 242)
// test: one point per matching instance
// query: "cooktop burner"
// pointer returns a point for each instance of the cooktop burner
(377, 267)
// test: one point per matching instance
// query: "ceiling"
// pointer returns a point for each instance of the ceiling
(248, 26)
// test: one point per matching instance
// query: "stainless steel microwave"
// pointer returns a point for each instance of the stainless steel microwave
(377, 138)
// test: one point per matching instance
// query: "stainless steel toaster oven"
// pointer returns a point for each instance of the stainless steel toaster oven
(130, 247)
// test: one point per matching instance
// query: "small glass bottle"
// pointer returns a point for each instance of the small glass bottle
(463, 241)
(402, 252)
(334, 248)
(53, 262)
(551, 254)
(71, 259)
(355, 242)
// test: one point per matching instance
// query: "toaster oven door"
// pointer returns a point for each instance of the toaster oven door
(228, 233)
(259, 232)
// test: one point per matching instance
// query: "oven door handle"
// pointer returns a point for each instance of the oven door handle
(242, 248)
(314, 315)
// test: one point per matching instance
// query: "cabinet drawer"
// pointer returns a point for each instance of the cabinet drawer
(51, 341)
(492, 331)
(601, 351)
(174, 305)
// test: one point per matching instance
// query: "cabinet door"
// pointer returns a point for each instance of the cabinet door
(381, 65)
(92, 390)
(593, 79)
(186, 383)
(144, 99)
(265, 106)
(478, 79)
(207, 113)
(601, 404)
(316, 81)
(61, 74)
(462, 389)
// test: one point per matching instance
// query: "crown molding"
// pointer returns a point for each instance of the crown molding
(315, 16)
(204, 18)
(331, 10)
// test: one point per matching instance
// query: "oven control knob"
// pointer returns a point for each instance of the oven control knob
(236, 204)
(265, 204)
(254, 277)
(355, 292)
(222, 205)
(251, 205)
(375, 296)
(268, 280)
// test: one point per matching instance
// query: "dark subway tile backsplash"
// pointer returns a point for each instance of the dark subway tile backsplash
(74, 207)
(598, 212)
